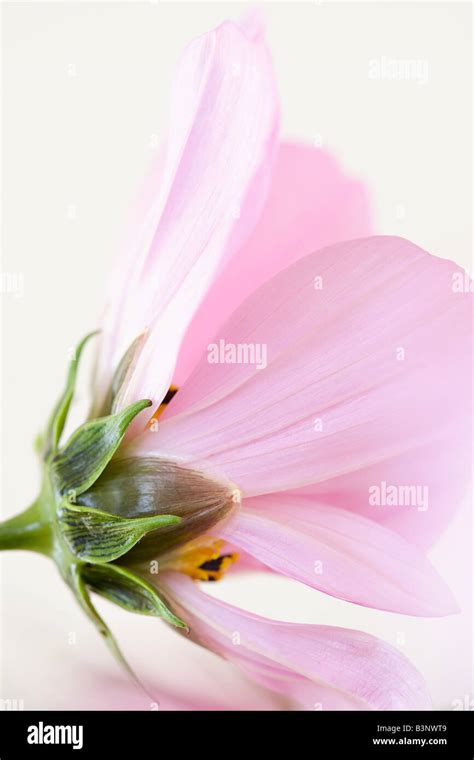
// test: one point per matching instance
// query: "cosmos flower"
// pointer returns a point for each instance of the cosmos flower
(307, 400)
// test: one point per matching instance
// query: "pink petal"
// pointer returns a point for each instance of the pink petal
(213, 177)
(372, 367)
(335, 667)
(340, 553)
(444, 467)
(311, 203)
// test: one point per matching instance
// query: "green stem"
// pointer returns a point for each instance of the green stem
(26, 531)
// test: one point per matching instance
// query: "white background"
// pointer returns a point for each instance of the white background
(85, 96)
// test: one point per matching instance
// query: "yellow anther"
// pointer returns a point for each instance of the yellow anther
(202, 560)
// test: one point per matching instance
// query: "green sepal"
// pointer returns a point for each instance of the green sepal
(79, 588)
(99, 537)
(88, 451)
(123, 371)
(130, 591)
(55, 427)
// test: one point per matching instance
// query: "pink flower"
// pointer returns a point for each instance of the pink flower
(362, 381)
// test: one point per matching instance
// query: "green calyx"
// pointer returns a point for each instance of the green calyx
(128, 590)
(58, 417)
(99, 537)
(84, 542)
(87, 453)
